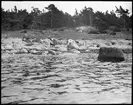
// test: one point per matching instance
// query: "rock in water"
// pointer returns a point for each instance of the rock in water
(61, 48)
(51, 52)
(55, 41)
(74, 51)
(72, 44)
(110, 54)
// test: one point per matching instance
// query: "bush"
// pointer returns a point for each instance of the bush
(61, 29)
(93, 30)
(54, 29)
(102, 31)
(112, 33)
(115, 29)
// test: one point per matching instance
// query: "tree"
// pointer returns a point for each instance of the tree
(100, 21)
(15, 9)
(91, 14)
(51, 8)
(56, 16)
(123, 13)
(76, 18)
(87, 12)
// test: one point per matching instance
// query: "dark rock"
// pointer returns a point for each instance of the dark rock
(110, 54)
(113, 43)
(38, 73)
(127, 50)
(29, 44)
(98, 45)
(26, 73)
(130, 44)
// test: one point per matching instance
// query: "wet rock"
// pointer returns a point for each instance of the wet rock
(2, 48)
(107, 43)
(51, 52)
(127, 50)
(56, 85)
(74, 51)
(130, 43)
(110, 54)
(82, 48)
(24, 50)
(72, 44)
(26, 73)
(56, 41)
(46, 42)
(61, 48)
(87, 29)
(98, 45)
(80, 42)
(25, 37)
(8, 47)
(113, 43)
(35, 52)
(29, 44)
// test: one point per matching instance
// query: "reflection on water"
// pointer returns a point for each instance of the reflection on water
(66, 78)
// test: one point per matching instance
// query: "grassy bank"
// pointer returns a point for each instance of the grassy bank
(68, 34)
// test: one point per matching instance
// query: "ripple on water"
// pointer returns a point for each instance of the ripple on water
(66, 78)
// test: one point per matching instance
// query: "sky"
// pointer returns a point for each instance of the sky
(69, 6)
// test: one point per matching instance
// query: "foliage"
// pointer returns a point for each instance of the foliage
(54, 18)
(123, 13)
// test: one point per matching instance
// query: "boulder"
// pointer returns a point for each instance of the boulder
(74, 51)
(2, 48)
(56, 41)
(25, 37)
(110, 54)
(35, 52)
(61, 48)
(98, 45)
(108, 44)
(51, 52)
(47, 42)
(80, 42)
(8, 47)
(72, 45)
(113, 42)
(87, 29)
(22, 51)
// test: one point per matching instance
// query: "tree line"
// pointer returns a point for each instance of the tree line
(15, 19)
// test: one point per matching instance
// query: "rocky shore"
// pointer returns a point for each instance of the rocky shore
(64, 71)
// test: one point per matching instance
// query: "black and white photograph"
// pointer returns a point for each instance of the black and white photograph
(66, 52)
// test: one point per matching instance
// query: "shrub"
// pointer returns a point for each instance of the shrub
(112, 33)
(115, 29)
(102, 31)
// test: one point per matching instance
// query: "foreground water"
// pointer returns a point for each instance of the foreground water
(64, 78)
